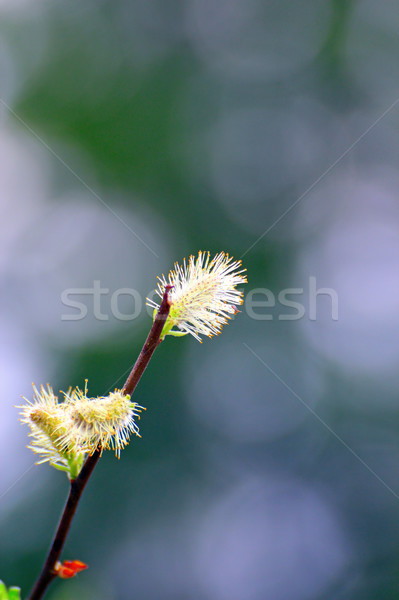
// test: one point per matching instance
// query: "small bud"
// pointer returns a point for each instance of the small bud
(69, 568)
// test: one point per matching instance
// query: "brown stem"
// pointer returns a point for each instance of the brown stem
(75, 492)
(152, 341)
(77, 485)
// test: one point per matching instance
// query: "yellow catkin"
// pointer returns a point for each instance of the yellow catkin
(48, 422)
(204, 294)
(79, 425)
(106, 422)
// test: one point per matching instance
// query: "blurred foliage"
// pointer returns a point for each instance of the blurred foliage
(12, 593)
(208, 121)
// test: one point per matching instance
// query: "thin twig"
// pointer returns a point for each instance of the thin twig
(75, 492)
(77, 485)
(152, 341)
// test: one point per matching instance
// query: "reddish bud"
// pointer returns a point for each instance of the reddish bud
(69, 568)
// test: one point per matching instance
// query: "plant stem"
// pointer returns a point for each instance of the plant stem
(75, 492)
(152, 341)
(77, 485)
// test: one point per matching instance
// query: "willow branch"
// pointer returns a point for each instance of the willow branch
(78, 485)
(153, 340)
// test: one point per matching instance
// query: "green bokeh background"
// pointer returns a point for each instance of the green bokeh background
(269, 456)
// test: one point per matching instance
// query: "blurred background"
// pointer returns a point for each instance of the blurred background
(133, 134)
